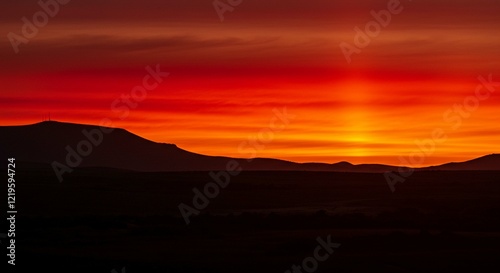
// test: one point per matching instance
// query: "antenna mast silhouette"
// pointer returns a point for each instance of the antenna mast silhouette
(46, 117)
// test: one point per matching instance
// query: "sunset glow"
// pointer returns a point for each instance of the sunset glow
(227, 77)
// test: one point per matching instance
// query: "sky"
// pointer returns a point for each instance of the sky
(415, 76)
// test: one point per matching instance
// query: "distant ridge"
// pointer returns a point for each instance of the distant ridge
(47, 141)
(484, 163)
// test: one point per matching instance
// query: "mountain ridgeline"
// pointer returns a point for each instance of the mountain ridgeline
(77, 145)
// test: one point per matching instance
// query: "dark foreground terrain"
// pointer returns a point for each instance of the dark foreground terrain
(100, 220)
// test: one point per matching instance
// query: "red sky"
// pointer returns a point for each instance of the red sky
(227, 77)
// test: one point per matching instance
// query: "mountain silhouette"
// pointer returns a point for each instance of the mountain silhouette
(485, 163)
(52, 141)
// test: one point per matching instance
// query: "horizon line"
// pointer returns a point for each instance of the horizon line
(275, 158)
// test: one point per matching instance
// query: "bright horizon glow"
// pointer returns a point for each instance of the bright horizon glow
(226, 78)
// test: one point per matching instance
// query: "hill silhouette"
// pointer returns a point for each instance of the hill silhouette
(437, 221)
(485, 163)
(49, 141)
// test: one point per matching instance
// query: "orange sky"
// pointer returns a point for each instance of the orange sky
(227, 77)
